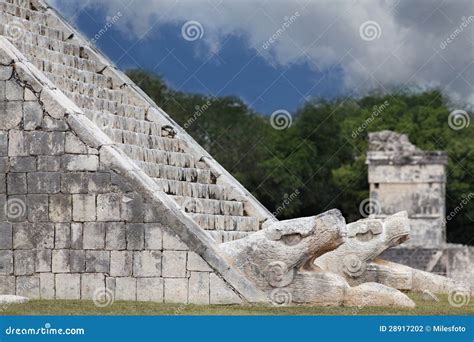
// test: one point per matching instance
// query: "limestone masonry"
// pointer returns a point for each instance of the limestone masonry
(102, 193)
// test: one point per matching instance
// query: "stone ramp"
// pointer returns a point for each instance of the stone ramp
(177, 164)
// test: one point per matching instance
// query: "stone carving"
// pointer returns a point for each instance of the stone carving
(356, 259)
(280, 260)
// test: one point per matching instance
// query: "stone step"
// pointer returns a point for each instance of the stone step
(163, 171)
(209, 206)
(226, 223)
(226, 236)
(113, 123)
(145, 140)
(197, 190)
(185, 160)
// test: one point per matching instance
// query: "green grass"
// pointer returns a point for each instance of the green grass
(77, 307)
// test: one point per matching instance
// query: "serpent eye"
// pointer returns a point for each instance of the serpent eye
(291, 239)
(367, 236)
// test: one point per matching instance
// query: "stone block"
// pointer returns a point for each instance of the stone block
(60, 208)
(61, 262)
(98, 261)
(7, 285)
(199, 288)
(94, 235)
(153, 236)
(44, 182)
(32, 115)
(38, 207)
(22, 164)
(135, 234)
(197, 263)
(126, 289)
(174, 264)
(150, 289)
(16, 184)
(3, 143)
(147, 264)
(99, 182)
(47, 288)
(76, 236)
(62, 237)
(68, 286)
(6, 262)
(24, 262)
(14, 208)
(33, 235)
(6, 235)
(28, 286)
(4, 165)
(173, 242)
(121, 263)
(176, 290)
(77, 259)
(14, 91)
(5, 73)
(3, 183)
(220, 292)
(132, 208)
(115, 236)
(16, 143)
(79, 162)
(45, 143)
(12, 113)
(83, 207)
(43, 260)
(92, 283)
(49, 163)
(108, 207)
(75, 146)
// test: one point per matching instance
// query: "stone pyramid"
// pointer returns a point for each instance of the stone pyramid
(100, 186)
(105, 197)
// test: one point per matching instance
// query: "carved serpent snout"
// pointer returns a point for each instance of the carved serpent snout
(271, 257)
(367, 238)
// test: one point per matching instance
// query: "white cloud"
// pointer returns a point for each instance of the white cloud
(326, 34)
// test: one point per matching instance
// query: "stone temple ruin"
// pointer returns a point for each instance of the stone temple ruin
(105, 196)
(403, 177)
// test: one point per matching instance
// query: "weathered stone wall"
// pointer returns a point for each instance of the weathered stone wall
(71, 228)
(404, 178)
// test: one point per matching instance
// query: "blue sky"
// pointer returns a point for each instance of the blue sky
(320, 49)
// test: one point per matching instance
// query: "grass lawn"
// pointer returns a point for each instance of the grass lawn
(77, 307)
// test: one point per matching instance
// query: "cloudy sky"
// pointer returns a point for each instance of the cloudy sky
(275, 54)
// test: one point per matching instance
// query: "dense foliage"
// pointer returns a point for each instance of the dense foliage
(318, 162)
